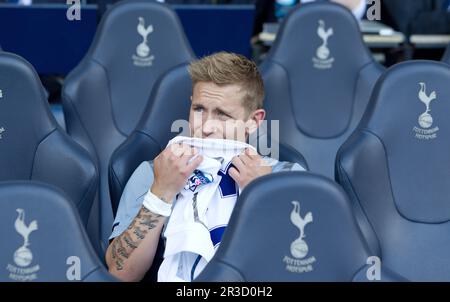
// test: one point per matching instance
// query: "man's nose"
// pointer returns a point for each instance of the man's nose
(210, 126)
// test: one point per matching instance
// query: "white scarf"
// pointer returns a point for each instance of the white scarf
(199, 208)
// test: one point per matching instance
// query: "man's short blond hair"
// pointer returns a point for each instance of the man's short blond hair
(225, 68)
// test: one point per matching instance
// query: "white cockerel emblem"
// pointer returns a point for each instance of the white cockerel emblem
(299, 248)
(323, 52)
(23, 255)
(143, 50)
(425, 119)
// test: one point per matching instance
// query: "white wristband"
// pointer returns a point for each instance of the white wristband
(156, 205)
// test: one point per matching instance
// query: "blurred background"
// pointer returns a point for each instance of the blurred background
(39, 31)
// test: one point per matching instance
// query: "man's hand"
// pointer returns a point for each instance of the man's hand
(172, 170)
(249, 166)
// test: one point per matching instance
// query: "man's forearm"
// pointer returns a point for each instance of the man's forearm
(131, 254)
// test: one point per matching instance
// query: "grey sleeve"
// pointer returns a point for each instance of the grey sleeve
(132, 197)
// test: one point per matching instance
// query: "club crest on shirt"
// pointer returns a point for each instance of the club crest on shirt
(198, 179)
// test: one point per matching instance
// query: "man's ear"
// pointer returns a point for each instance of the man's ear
(255, 119)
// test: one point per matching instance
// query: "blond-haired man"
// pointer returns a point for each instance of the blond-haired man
(227, 98)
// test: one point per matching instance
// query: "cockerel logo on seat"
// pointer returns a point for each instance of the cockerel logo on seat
(143, 57)
(299, 248)
(322, 59)
(23, 256)
(425, 120)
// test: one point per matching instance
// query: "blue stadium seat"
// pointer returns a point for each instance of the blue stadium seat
(318, 78)
(58, 113)
(42, 236)
(170, 102)
(396, 169)
(32, 145)
(106, 94)
(446, 57)
(292, 226)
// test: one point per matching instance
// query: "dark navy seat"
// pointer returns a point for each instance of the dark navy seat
(170, 102)
(446, 57)
(58, 113)
(32, 145)
(318, 77)
(42, 236)
(396, 169)
(105, 96)
(292, 226)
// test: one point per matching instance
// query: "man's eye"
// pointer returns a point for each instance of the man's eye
(223, 116)
(198, 109)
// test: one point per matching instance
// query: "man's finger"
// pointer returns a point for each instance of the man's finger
(187, 150)
(194, 164)
(247, 160)
(238, 163)
(188, 153)
(251, 158)
(177, 149)
(184, 151)
(251, 152)
(234, 174)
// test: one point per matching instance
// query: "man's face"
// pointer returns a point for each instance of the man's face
(218, 112)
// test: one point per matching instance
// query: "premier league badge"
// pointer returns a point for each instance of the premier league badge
(198, 179)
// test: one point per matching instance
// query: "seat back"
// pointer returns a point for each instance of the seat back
(32, 145)
(170, 103)
(42, 236)
(318, 77)
(446, 57)
(290, 226)
(396, 168)
(105, 95)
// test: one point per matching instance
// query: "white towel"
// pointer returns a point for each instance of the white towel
(200, 208)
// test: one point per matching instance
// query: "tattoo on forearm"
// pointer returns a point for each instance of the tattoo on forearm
(130, 243)
(140, 233)
(149, 222)
(113, 249)
(124, 245)
(119, 264)
(121, 250)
